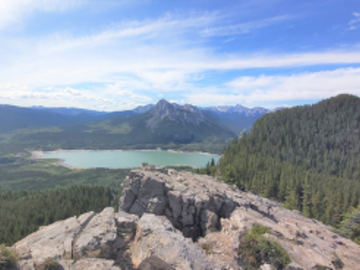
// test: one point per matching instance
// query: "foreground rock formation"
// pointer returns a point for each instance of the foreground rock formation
(178, 220)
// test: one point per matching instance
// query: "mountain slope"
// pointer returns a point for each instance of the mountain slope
(307, 157)
(168, 123)
(12, 118)
(165, 123)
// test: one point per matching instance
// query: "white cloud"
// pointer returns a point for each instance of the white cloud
(266, 89)
(126, 31)
(355, 23)
(13, 11)
(152, 56)
(242, 28)
(71, 97)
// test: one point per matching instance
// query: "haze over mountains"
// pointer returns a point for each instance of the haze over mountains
(233, 118)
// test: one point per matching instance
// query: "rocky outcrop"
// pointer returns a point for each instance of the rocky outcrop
(199, 206)
(55, 241)
(161, 210)
(194, 204)
(92, 239)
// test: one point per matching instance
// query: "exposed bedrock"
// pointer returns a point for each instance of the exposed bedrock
(194, 204)
(160, 207)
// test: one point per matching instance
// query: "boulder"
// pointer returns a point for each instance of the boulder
(157, 237)
(54, 241)
(99, 237)
(154, 263)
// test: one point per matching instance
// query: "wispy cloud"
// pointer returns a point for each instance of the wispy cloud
(133, 61)
(14, 11)
(72, 97)
(242, 28)
(267, 89)
(355, 23)
(130, 31)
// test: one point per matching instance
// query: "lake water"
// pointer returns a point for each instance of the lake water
(129, 159)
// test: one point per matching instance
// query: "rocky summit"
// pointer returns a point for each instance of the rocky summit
(179, 220)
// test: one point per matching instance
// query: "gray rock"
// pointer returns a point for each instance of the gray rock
(192, 206)
(154, 263)
(181, 197)
(98, 238)
(209, 221)
(157, 237)
(54, 241)
(94, 264)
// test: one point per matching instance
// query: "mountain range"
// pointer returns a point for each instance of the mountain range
(163, 122)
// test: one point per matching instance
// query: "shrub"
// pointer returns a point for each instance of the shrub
(255, 250)
(8, 258)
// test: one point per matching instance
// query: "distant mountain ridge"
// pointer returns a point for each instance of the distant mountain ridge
(68, 111)
(236, 118)
(238, 109)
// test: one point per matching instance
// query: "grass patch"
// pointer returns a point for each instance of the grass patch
(255, 250)
(8, 258)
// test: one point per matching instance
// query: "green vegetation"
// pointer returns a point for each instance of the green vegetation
(107, 127)
(210, 168)
(349, 227)
(34, 193)
(307, 157)
(203, 130)
(21, 173)
(8, 258)
(21, 213)
(255, 250)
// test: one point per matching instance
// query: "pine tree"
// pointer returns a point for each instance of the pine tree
(306, 199)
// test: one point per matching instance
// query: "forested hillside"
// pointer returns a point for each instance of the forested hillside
(22, 213)
(307, 157)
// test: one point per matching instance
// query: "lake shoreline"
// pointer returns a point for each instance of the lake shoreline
(62, 162)
(37, 153)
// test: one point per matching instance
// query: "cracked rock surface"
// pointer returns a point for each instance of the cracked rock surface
(193, 203)
(162, 212)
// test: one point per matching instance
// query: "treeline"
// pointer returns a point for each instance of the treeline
(21, 213)
(307, 157)
(210, 168)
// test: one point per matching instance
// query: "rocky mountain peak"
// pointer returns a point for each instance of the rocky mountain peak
(165, 110)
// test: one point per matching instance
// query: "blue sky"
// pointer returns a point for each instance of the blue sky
(115, 55)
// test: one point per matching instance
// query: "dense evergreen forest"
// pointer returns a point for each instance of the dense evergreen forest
(307, 157)
(22, 213)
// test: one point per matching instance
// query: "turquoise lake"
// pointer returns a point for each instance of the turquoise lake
(128, 159)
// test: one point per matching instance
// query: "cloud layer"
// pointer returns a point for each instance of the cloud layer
(177, 55)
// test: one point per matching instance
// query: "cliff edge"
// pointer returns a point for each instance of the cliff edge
(179, 220)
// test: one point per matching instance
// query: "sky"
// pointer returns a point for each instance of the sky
(114, 55)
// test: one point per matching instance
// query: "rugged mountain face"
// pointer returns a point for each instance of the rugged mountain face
(159, 207)
(183, 115)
